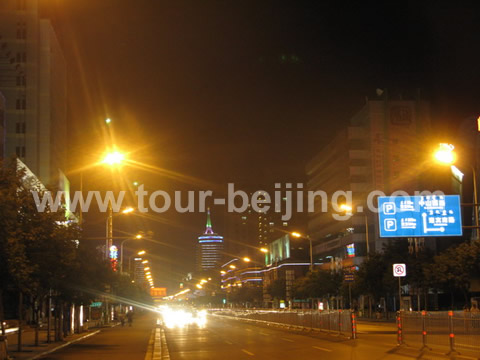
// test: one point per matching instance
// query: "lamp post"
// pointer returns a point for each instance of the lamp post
(445, 155)
(112, 159)
(298, 236)
(138, 236)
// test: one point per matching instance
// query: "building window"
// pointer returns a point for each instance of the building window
(21, 80)
(21, 30)
(20, 128)
(21, 5)
(21, 57)
(21, 104)
(20, 150)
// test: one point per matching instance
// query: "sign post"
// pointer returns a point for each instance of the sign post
(349, 278)
(399, 271)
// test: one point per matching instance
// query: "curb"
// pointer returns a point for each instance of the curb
(63, 345)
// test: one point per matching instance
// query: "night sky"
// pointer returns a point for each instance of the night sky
(248, 91)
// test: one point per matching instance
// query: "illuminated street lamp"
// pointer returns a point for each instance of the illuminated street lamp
(199, 286)
(232, 267)
(141, 252)
(138, 236)
(145, 262)
(128, 210)
(298, 236)
(223, 272)
(246, 259)
(445, 155)
(264, 250)
(114, 158)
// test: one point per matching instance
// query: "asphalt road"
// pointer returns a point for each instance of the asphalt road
(230, 340)
(119, 343)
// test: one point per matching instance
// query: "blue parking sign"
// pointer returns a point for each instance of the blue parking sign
(419, 216)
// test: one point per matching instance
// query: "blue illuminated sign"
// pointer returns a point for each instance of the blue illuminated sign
(419, 216)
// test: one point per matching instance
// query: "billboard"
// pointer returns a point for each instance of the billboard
(278, 250)
(158, 292)
(419, 216)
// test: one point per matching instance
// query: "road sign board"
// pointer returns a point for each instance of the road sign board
(348, 277)
(419, 216)
(399, 270)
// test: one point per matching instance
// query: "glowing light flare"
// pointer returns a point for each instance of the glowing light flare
(345, 207)
(296, 234)
(232, 267)
(114, 158)
(246, 259)
(128, 210)
(138, 236)
(445, 154)
(264, 250)
(145, 262)
(141, 252)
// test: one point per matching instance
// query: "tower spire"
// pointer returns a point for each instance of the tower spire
(209, 229)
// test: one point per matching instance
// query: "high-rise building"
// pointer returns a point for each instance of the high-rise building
(383, 148)
(33, 82)
(209, 248)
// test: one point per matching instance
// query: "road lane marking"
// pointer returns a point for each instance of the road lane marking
(262, 333)
(290, 340)
(248, 352)
(248, 329)
(320, 348)
(228, 342)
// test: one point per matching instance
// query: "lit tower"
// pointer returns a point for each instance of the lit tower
(209, 248)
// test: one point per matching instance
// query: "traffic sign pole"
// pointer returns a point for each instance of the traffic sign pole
(400, 293)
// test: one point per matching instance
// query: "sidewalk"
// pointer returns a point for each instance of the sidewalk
(30, 351)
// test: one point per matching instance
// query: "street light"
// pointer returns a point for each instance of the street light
(121, 250)
(111, 159)
(128, 210)
(264, 250)
(298, 236)
(232, 267)
(246, 259)
(446, 155)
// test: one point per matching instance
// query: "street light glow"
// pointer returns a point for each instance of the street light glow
(264, 250)
(114, 158)
(128, 210)
(141, 252)
(232, 267)
(296, 234)
(346, 208)
(138, 236)
(145, 262)
(246, 259)
(445, 154)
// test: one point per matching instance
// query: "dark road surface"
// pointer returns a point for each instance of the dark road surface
(225, 339)
(231, 340)
(122, 343)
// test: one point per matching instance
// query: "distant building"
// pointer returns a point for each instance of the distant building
(385, 147)
(33, 82)
(209, 248)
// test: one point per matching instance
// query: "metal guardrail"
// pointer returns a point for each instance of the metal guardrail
(457, 330)
(342, 322)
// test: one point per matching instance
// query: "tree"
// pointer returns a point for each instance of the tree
(454, 269)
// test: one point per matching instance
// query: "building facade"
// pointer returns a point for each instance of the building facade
(33, 82)
(384, 148)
